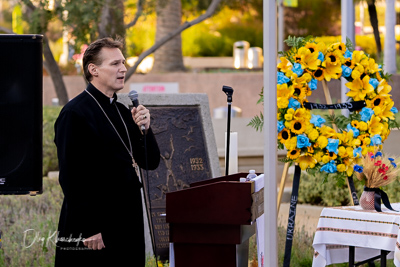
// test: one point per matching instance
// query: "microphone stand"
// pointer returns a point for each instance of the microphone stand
(229, 92)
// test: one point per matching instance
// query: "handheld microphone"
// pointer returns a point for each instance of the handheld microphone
(133, 95)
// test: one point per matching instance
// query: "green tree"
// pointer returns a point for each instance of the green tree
(89, 20)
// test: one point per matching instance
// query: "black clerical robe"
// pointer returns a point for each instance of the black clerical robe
(100, 186)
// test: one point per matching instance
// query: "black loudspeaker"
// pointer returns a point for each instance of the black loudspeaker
(21, 113)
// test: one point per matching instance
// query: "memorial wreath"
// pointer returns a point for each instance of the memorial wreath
(332, 145)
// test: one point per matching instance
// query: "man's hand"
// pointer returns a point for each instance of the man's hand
(94, 242)
(141, 116)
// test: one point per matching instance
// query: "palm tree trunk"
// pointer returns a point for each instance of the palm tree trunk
(168, 58)
(373, 17)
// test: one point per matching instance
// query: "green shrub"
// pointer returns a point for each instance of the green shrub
(50, 161)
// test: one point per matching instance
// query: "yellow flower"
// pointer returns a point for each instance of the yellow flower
(331, 155)
(302, 114)
(332, 71)
(284, 135)
(359, 88)
(300, 91)
(341, 167)
(327, 131)
(319, 74)
(294, 153)
(333, 58)
(283, 102)
(318, 156)
(358, 56)
(349, 63)
(285, 65)
(284, 91)
(307, 59)
(363, 126)
(342, 152)
(313, 134)
(291, 143)
(386, 112)
(306, 162)
(298, 126)
(322, 141)
(384, 88)
(321, 47)
(372, 66)
(313, 47)
(325, 159)
(341, 47)
(375, 126)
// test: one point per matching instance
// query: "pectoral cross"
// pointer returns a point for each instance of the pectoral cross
(136, 166)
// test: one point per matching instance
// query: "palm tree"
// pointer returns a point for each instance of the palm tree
(168, 58)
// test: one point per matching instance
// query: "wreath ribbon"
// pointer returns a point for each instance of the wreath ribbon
(378, 196)
(351, 106)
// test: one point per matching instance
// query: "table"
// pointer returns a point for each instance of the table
(370, 232)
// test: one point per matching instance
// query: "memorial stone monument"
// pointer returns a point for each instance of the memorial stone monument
(183, 128)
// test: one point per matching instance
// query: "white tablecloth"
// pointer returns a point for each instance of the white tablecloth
(368, 231)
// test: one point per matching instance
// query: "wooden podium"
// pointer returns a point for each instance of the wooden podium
(210, 222)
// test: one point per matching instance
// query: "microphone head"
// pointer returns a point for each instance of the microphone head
(133, 95)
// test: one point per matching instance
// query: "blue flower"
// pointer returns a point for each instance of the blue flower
(333, 145)
(374, 82)
(348, 54)
(378, 154)
(303, 141)
(393, 164)
(357, 152)
(391, 159)
(394, 110)
(376, 140)
(321, 56)
(366, 114)
(358, 168)
(297, 69)
(329, 167)
(280, 126)
(282, 78)
(313, 84)
(346, 71)
(293, 103)
(317, 120)
(356, 132)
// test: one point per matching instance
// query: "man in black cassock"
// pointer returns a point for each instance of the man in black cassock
(98, 141)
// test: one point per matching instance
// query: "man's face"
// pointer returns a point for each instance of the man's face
(111, 73)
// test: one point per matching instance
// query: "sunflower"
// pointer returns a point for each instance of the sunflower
(294, 153)
(355, 124)
(378, 101)
(333, 58)
(300, 91)
(302, 114)
(312, 47)
(319, 74)
(284, 135)
(298, 126)
(349, 63)
(341, 47)
(331, 155)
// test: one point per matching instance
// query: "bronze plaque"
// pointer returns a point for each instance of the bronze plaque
(184, 160)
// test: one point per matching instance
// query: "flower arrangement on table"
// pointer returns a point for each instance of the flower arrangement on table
(375, 170)
(317, 147)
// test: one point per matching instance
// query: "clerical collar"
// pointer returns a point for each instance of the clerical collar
(102, 98)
